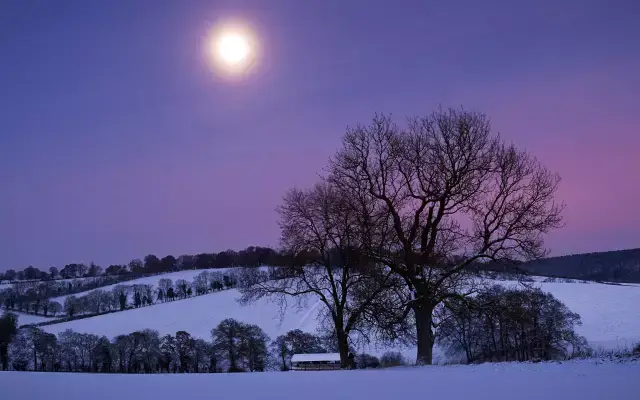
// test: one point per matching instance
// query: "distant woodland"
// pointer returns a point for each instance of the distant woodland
(610, 266)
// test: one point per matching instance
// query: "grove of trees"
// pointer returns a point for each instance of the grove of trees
(503, 324)
(32, 349)
(234, 347)
(414, 208)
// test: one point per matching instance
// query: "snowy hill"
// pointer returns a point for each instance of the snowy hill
(196, 315)
(570, 380)
(609, 314)
(25, 319)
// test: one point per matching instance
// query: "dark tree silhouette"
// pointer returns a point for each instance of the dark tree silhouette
(442, 169)
(8, 329)
(323, 222)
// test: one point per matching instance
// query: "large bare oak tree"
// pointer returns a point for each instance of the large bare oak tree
(453, 193)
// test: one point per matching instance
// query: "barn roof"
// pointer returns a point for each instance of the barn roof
(316, 357)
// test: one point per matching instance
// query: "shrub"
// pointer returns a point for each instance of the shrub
(364, 361)
(392, 359)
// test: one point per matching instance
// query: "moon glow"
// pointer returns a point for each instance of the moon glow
(232, 49)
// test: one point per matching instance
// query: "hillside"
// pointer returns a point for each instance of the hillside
(609, 266)
(609, 314)
(196, 315)
(587, 380)
(25, 319)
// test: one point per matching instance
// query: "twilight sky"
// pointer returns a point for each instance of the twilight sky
(116, 141)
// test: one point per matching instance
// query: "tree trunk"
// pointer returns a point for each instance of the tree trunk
(343, 349)
(4, 357)
(343, 340)
(424, 333)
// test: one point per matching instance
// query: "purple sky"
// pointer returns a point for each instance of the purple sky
(116, 141)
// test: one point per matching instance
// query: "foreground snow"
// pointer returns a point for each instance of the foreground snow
(577, 380)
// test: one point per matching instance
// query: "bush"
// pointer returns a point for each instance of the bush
(392, 359)
(364, 361)
(636, 350)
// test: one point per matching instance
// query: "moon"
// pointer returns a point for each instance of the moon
(232, 49)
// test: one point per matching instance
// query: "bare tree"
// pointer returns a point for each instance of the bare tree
(164, 285)
(321, 222)
(454, 194)
(182, 287)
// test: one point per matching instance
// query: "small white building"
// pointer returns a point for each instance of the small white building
(315, 362)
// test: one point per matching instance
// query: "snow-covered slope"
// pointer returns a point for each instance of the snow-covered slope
(24, 319)
(610, 314)
(549, 381)
(196, 315)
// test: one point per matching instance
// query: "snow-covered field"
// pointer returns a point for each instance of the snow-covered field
(24, 318)
(610, 314)
(196, 315)
(549, 381)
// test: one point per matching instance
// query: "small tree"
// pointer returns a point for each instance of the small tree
(71, 305)
(182, 286)
(227, 340)
(164, 285)
(184, 349)
(54, 308)
(322, 223)
(253, 347)
(8, 329)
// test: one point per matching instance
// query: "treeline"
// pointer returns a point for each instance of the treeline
(498, 324)
(234, 347)
(120, 298)
(250, 257)
(33, 297)
(610, 266)
(506, 324)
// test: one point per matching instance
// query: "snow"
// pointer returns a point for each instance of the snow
(196, 315)
(549, 381)
(610, 313)
(24, 319)
(316, 357)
